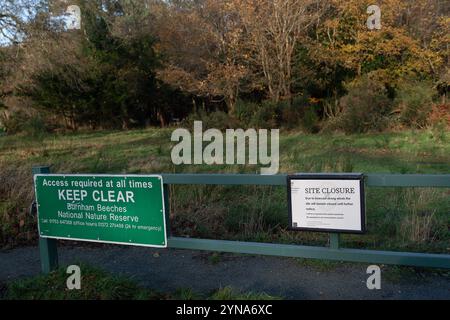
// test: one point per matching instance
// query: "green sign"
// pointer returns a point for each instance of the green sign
(121, 209)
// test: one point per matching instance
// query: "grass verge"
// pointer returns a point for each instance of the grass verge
(97, 284)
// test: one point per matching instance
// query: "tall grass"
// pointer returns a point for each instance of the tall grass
(421, 224)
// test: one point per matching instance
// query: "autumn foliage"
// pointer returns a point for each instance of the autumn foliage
(297, 63)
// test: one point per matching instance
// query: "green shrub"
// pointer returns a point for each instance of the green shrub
(217, 120)
(270, 114)
(263, 115)
(96, 284)
(300, 113)
(229, 293)
(310, 120)
(35, 126)
(291, 116)
(439, 131)
(245, 110)
(22, 122)
(414, 102)
(14, 123)
(267, 116)
(365, 108)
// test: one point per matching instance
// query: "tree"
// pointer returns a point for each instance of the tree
(203, 45)
(93, 77)
(275, 28)
(342, 48)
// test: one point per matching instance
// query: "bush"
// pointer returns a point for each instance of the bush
(291, 115)
(35, 127)
(245, 110)
(217, 120)
(414, 102)
(96, 284)
(310, 120)
(15, 122)
(270, 114)
(440, 116)
(301, 113)
(365, 108)
(253, 115)
(22, 122)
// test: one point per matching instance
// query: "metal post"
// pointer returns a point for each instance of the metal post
(334, 240)
(47, 247)
(167, 207)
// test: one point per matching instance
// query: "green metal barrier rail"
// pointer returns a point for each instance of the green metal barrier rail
(48, 247)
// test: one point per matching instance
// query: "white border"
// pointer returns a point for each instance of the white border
(104, 175)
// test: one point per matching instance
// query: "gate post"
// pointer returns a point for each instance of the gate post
(47, 247)
(334, 240)
(166, 189)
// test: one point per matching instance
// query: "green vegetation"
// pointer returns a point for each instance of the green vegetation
(400, 274)
(100, 285)
(321, 265)
(391, 273)
(414, 219)
(228, 293)
(96, 284)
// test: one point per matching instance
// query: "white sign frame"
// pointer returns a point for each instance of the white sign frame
(328, 227)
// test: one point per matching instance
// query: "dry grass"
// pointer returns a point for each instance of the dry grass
(419, 224)
(17, 225)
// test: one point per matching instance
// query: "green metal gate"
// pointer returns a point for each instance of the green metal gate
(49, 255)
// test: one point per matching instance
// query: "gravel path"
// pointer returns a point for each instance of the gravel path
(168, 270)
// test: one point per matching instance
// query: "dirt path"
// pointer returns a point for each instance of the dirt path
(168, 270)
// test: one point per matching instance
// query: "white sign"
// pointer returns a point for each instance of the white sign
(327, 203)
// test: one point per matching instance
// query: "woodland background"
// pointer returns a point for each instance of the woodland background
(311, 65)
